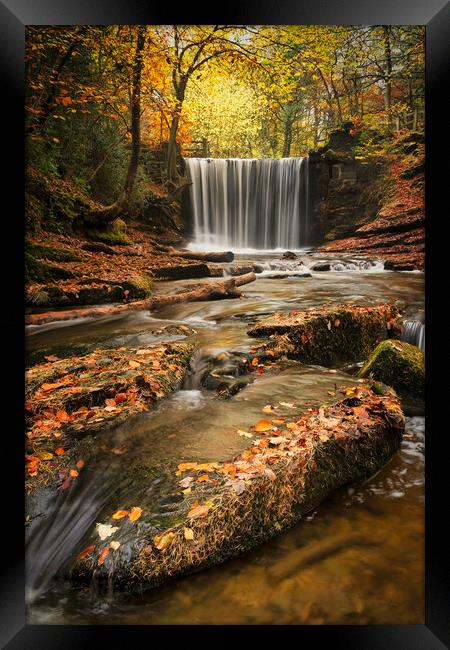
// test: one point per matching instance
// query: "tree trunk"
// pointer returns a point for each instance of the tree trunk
(287, 135)
(111, 212)
(135, 115)
(388, 75)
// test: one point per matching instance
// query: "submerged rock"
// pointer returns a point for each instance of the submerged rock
(400, 365)
(330, 336)
(321, 266)
(289, 255)
(221, 509)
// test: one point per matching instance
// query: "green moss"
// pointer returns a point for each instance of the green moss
(113, 233)
(37, 271)
(142, 283)
(53, 254)
(397, 364)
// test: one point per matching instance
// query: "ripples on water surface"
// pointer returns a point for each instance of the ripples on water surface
(357, 559)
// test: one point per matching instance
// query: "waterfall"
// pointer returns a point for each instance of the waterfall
(414, 333)
(249, 203)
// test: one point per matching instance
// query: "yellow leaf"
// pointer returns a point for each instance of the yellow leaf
(134, 364)
(44, 455)
(163, 540)
(188, 533)
(255, 361)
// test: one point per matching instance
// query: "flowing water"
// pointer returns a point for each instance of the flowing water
(249, 203)
(358, 558)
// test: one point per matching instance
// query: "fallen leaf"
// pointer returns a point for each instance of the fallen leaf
(119, 514)
(288, 405)
(59, 451)
(80, 464)
(184, 466)
(134, 364)
(102, 556)
(86, 551)
(198, 511)
(203, 478)
(114, 545)
(185, 482)
(255, 361)
(245, 434)
(163, 540)
(51, 357)
(44, 455)
(263, 425)
(188, 533)
(337, 322)
(135, 513)
(62, 416)
(73, 473)
(105, 530)
(270, 473)
(277, 440)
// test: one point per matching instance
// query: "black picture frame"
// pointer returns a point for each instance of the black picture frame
(15, 15)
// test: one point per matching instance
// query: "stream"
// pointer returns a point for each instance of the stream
(356, 559)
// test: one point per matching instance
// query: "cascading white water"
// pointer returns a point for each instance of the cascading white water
(249, 203)
(414, 333)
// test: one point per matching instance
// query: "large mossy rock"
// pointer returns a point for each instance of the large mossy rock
(400, 365)
(69, 401)
(330, 336)
(222, 509)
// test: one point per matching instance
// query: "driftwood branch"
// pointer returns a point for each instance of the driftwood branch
(219, 290)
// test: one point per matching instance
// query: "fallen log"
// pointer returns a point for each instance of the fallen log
(227, 256)
(211, 291)
(251, 498)
(208, 291)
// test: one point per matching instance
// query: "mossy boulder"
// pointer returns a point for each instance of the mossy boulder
(400, 365)
(332, 335)
(245, 500)
(39, 271)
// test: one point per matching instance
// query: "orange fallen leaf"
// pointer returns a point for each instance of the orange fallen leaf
(255, 361)
(263, 425)
(184, 466)
(62, 416)
(47, 387)
(198, 511)
(73, 472)
(59, 451)
(135, 513)
(103, 555)
(120, 513)
(203, 478)
(86, 551)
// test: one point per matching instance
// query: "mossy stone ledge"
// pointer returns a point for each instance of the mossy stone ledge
(331, 335)
(248, 499)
